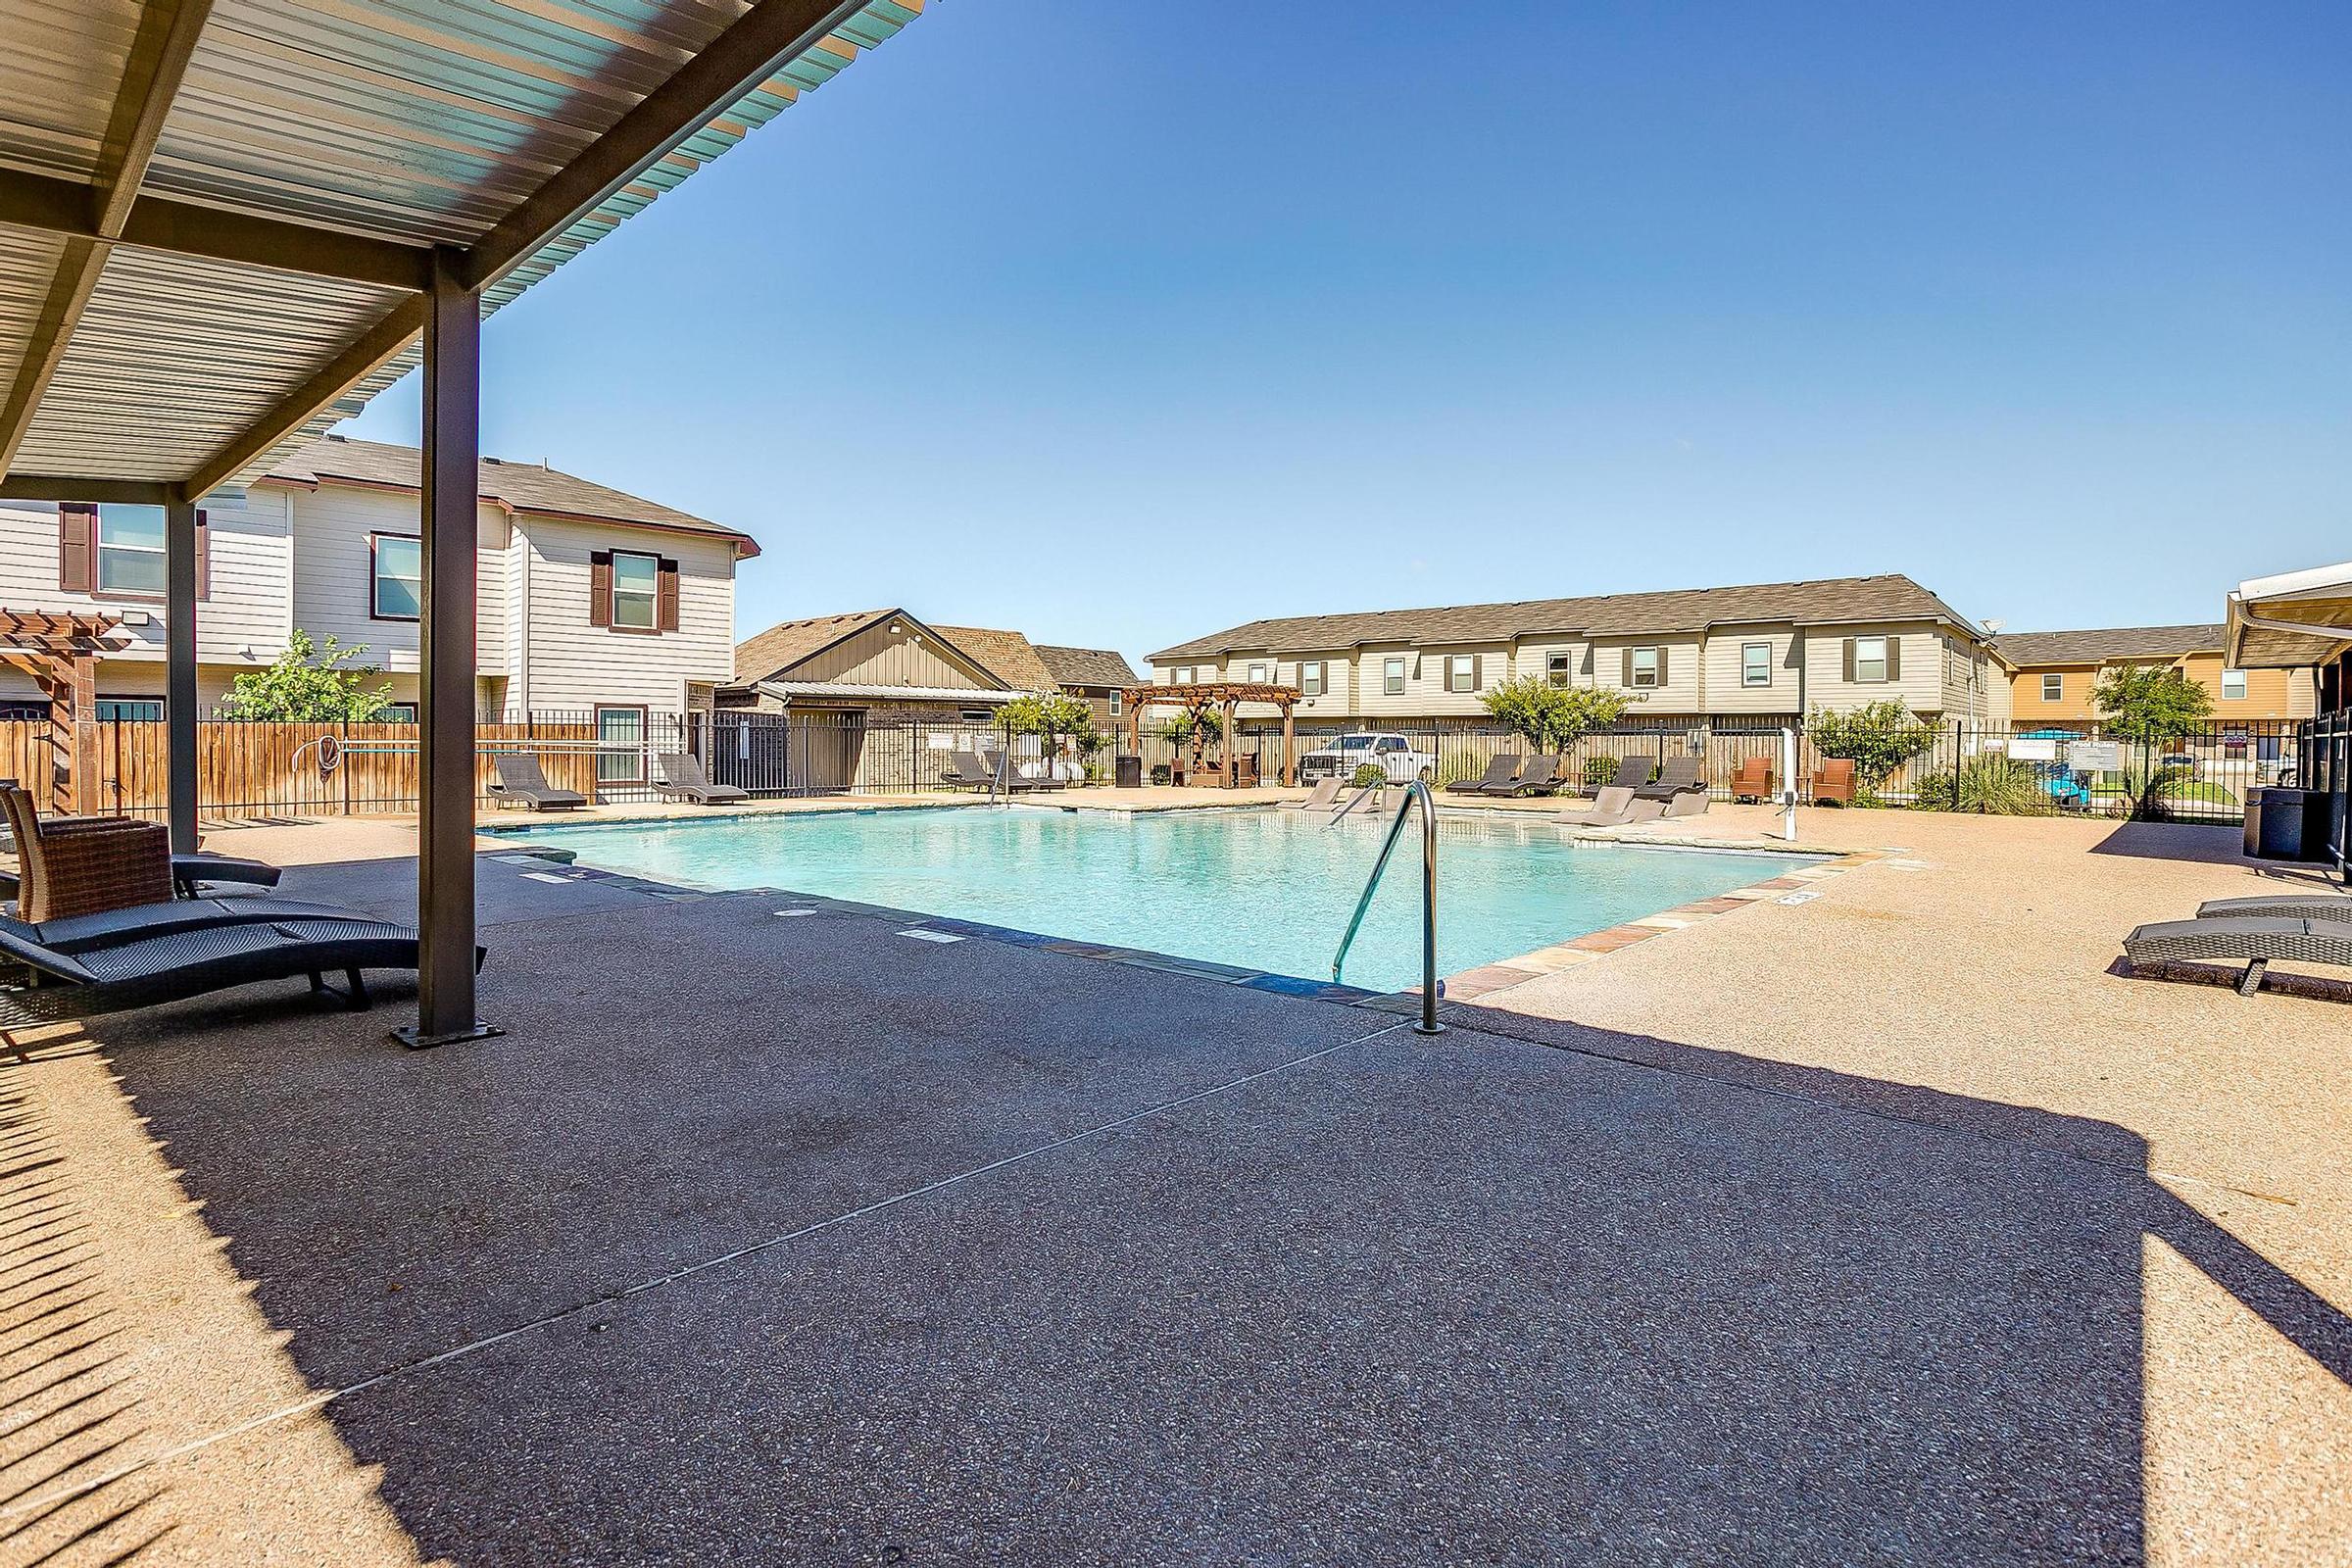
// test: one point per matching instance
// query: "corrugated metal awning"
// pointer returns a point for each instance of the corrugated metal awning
(216, 215)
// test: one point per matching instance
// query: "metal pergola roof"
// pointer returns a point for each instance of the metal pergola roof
(218, 217)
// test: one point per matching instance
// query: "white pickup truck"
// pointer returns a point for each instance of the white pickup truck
(1394, 754)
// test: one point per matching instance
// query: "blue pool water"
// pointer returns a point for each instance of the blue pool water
(1264, 889)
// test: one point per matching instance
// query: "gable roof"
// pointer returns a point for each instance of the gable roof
(770, 653)
(2099, 644)
(1006, 654)
(1087, 667)
(520, 486)
(1892, 597)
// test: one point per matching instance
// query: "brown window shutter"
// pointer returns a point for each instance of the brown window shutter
(1661, 663)
(667, 599)
(1627, 680)
(76, 537)
(600, 589)
(1849, 661)
(1894, 659)
(204, 555)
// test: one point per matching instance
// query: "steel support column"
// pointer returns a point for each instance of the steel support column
(180, 669)
(445, 681)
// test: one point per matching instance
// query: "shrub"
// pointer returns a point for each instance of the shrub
(1161, 773)
(1878, 739)
(1598, 771)
(1369, 775)
(2152, 705)
(1553, 718)
(309, 685)
(1999, 786)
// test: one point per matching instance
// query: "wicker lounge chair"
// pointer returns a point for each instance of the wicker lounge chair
(1631, 774)
(680, 774)
(965, 770)
(1541, 776)
(136, 922)
(142, 973)
(1500, 770)
(2254, 943)
(1614, 807)
(1016, 781)
(1678, 787)
(2279, 906)
(519, 779)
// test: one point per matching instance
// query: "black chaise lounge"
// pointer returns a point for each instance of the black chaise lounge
(2252, 941)
(109, 928)
(681, 775)
(125, 975)
(519, 779)
(1541, 776)
(1631, 774)
(2279, 906)
(1678, 787)
(1501, 772)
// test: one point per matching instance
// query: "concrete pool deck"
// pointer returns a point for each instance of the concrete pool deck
(1890, 1225)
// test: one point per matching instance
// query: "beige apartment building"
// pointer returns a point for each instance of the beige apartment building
(1755, 652)
(2053, 674)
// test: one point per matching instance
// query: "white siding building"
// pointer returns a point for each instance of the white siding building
(590, 601)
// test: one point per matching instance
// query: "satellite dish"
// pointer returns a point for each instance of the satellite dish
(1992, 629)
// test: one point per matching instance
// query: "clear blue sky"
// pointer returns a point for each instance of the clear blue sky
(1123, 324)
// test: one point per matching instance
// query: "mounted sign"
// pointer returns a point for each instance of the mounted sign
(2097, 756)
(2028, 748)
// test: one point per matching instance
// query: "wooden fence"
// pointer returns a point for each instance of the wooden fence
(247, 769)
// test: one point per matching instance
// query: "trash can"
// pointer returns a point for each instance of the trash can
(1128, 772)
(2285, 824)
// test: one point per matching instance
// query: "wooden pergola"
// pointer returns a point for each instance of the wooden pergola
(1222, 698)
(59, 654)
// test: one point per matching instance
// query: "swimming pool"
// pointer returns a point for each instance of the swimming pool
(1264, 889)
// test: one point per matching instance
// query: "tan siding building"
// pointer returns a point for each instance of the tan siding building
(2054, 674)
(1759, 652)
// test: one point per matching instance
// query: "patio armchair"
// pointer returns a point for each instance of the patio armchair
(1833, 782)
(1754, 779)
(189, 873)
(80, 866)
(1500, 770)
(519, 779)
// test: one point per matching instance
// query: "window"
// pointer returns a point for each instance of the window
(620, 745)
(396, 713)
(1181, 675)
(636, 591)
(130, 709)
(1392, 676)
(1257, 674)
(1556, 669)
(2234, 685)
(1869, 660)
(1119, 702)
(130, 551)
(1755, 664)
(2053, 687)
(1310, 677)
(1644, 664)
(1461, 673)
(399, 577)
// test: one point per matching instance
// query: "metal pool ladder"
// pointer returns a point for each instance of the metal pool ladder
(1414, 790)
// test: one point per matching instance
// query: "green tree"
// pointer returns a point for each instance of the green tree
(308, 684)
(2152, 705)
(1878, 738)
(1553, 718)
(1053, 717)
(1195, 727)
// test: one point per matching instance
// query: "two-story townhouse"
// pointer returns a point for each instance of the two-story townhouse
(2054, 674)
(590, 601)
(1100, 676)
(1756, 652)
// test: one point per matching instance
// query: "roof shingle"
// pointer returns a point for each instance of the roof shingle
(1087, 667)
(524, 486)
(2099, 644)
(1892, 597)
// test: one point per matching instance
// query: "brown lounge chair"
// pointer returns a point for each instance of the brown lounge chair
(1500, 770)
(680, 774)
(2254, 943)
(1834, 781)
(1754, 779)
(1541, 776)
(519, 779)
(1614, 807)
(1326, 798)
(1017, 781)
(1631, 774)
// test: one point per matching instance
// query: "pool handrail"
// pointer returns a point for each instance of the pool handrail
(1414, 790)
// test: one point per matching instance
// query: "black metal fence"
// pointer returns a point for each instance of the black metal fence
(2323, 762)
(1963, 765)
